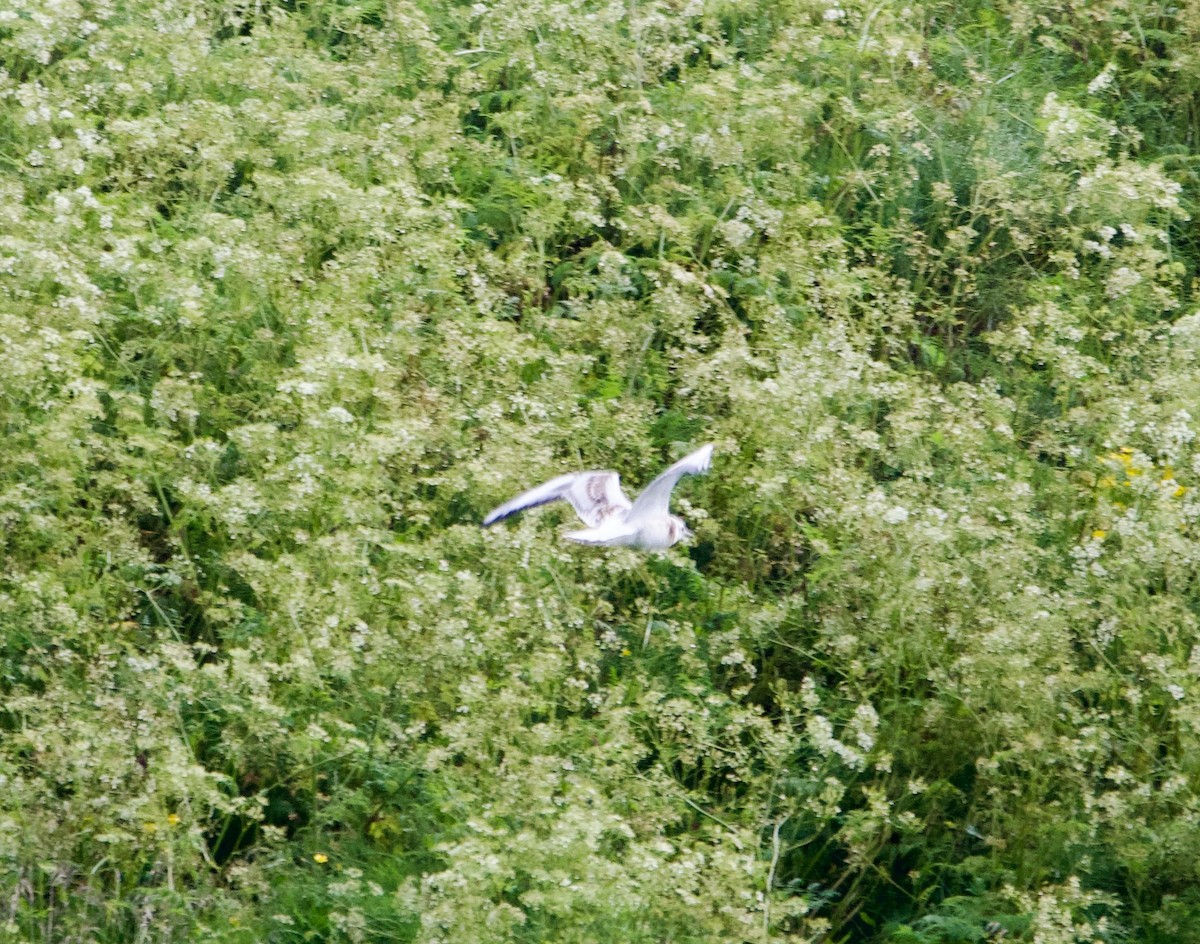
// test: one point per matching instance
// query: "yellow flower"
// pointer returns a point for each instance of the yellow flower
(1108, 482)
(172, 819)
(150, 827)
(1125, 457)
(625, 652)
(320, 858)
(1099, 534)
(1179, 492)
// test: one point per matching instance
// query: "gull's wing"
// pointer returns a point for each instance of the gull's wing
(656, 499)
(595, 496)
(611, 533)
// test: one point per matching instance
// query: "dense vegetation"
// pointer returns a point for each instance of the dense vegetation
(293, 292)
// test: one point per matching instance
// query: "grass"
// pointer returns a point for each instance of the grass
(293, 293)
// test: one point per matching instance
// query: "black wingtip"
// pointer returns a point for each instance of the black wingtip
(494, 518)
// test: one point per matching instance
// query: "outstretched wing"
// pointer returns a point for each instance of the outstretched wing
(595, 496)
(656, 499)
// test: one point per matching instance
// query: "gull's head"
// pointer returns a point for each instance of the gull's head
(677, 530)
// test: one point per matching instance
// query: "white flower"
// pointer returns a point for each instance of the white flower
(1121, 281)
(1103, 80)
(896, 515)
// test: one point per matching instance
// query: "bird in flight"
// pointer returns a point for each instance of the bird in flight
(610, 517)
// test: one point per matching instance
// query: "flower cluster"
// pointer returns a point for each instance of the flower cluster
(291, 294)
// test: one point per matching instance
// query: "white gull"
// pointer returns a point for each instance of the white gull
(610, 517)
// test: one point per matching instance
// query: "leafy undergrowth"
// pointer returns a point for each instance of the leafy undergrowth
(294, 292)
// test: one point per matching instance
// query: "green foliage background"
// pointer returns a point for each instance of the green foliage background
(293, 292)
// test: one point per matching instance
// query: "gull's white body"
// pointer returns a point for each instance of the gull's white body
(610, 517)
